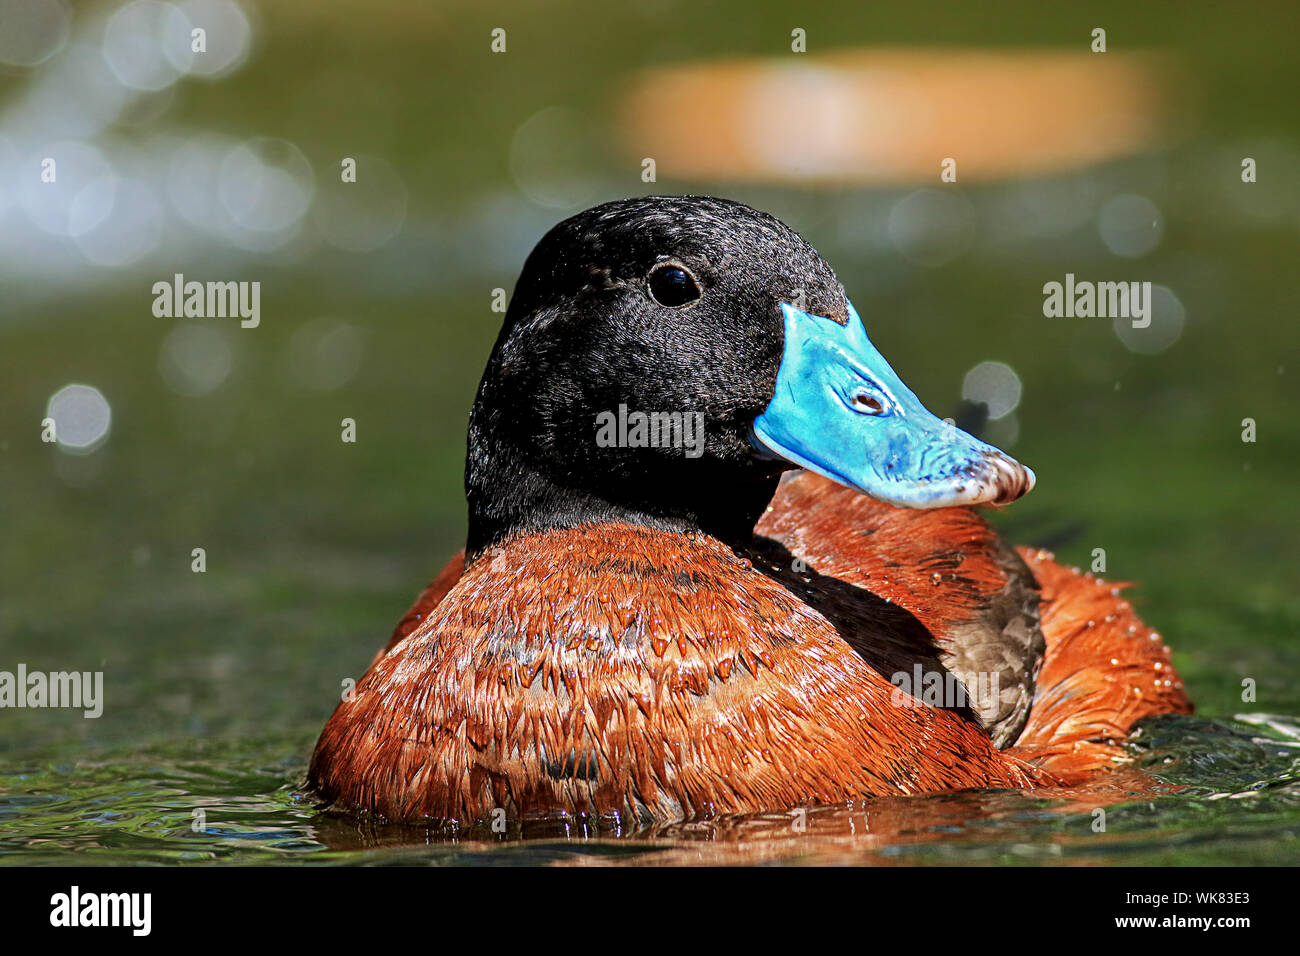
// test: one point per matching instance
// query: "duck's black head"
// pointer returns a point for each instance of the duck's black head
(664, 359)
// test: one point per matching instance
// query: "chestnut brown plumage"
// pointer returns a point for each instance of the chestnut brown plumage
(617, 669)
(660, 676)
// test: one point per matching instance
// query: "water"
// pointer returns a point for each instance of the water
(228, 439)
(1206, 792)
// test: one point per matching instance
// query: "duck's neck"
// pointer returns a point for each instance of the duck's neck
(512, 491)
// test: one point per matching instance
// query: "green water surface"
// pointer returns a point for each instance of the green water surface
(216, 684)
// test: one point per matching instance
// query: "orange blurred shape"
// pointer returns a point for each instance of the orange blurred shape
(893, 115)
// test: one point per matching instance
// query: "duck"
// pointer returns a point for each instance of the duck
(771, 584)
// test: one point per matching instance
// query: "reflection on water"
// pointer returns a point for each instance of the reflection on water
(1208, 791)
(892, 114)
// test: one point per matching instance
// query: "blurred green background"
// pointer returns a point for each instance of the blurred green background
(376, 306)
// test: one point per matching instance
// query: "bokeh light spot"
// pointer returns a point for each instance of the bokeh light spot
(325, 353)
(996, 384)
(228, 38)
(147, 44)
(82, 417)
(194, 359)
(32, 31)
(931, 227)
(1130, 225)
(364, 215)
(1167, 317)
(552, 158)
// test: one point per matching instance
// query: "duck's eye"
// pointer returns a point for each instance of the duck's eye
(673, 286)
